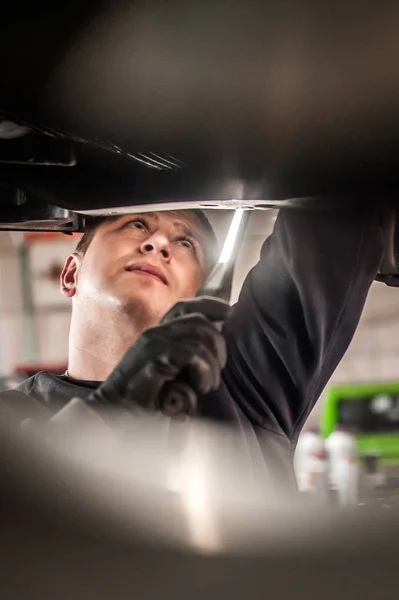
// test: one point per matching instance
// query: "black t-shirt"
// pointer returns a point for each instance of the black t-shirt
(295, 317)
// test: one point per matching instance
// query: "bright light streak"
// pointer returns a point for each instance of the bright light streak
(231, 236)
(193, 479)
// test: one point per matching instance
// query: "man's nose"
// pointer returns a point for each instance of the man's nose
(155, 244)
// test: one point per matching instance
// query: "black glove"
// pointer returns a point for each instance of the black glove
(186, 350)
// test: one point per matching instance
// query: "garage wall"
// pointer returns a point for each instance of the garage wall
(374, 352)
(11, 322)
(52, 309)
(40, 336)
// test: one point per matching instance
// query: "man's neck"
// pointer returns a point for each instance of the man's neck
(96, 347)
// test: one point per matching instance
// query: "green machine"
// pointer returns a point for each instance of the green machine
(371, 413)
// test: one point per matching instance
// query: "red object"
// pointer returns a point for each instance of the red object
(32, 237)
(30, 369)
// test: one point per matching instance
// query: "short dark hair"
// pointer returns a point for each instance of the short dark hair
(210, 250)
(91, 226)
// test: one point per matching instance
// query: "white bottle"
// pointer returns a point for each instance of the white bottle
(342, 466)
(310, 463)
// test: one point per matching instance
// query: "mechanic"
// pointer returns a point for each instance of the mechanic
(136, 325)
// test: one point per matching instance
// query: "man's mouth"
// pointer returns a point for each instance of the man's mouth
(149, 271)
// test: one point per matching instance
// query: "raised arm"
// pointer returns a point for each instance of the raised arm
(298, 311)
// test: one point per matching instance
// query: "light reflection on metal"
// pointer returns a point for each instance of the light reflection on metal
(230, 240)
(169, 160)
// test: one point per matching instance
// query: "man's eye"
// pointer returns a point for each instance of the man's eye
(138, 225)
(188, 244)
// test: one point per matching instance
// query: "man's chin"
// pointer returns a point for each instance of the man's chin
(148, 306)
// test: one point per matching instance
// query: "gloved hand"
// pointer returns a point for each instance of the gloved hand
(186, 350)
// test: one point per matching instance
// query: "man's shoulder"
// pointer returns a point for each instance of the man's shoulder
(24, 401)
(42, 395)
(52, 390)
(40, 383)
(26, 385)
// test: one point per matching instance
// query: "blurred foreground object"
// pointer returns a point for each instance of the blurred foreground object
(99, 518)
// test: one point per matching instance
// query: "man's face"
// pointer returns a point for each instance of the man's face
(151, 259)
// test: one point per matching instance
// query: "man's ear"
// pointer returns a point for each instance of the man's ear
(69, 275)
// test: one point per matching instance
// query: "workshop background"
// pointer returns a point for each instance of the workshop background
(34, 315)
